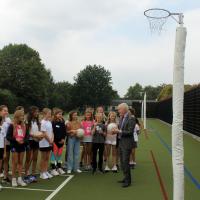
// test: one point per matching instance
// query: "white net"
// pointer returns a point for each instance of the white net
(156, 25)
(157, 18)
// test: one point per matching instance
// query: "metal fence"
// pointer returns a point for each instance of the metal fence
(191, 121)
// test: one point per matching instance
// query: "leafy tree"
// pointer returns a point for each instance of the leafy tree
(153, 92)
(23, 73)
(61, 96)
(9, 99)
(93, 86)
(134, 92)
(166, 92)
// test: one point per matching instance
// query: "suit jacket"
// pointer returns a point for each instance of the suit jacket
(126, 140)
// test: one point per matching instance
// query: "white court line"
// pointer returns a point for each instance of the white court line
(59, 188)
(30, 189)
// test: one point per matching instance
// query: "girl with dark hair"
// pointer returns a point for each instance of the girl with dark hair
(135, 138)
(33, 127)
(59, 131)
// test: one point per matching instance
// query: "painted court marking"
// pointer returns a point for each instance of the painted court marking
(162, 186)
(187, 171)
(53, 192)
(59, 187)
(30, 189)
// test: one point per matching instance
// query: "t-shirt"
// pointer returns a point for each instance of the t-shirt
(59, 131)
(19, 132)
(136, 132)
(46, 126)
(1, 138)
(5, 126)
(34, 129)
(98, 136)
(87, 127)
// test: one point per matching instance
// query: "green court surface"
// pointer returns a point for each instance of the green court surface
(152, 178)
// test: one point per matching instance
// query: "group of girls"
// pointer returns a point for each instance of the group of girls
(30, 135)
(27, 136)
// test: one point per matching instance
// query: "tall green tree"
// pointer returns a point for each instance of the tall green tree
(23, 73)
(153, 91)
(61, 96)
(93, 86)
(134, 92)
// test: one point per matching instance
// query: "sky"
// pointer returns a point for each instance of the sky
(70, 34)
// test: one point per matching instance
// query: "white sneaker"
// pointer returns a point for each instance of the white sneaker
(69, 171)
(54, 172)
(14, 182)
(78, 171)
(21, 182)
(107, 169)
(49, 175)
(43, 176)
(114, 169)
(1, 175)
(61, 171)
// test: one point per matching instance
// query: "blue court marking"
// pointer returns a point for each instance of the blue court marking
(169, 149)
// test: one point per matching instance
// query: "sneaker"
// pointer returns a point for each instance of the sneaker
(21, 182)
(54, 172)
(114, 169)
(14, 182)
(33, 178)
(43, 176)
(6, 180)
(49, 175)
(1, 175)
(107, 169)
(81, 164)
(27, 179)
(61, 171)
(69, 171)
(78, 171)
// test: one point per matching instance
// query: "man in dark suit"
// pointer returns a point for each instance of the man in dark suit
(126, 141)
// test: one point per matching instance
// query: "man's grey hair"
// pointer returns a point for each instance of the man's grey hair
(123, 105)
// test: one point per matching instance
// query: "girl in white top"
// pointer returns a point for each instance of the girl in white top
(111, 141)
(46, 143)
(33, 127)
(6, 122)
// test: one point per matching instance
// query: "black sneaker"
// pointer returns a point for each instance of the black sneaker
(81, 164)
(6, 180)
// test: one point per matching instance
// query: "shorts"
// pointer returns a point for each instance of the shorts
(1, 153)
(18, 149)
(87, 139)
(33, 145)
(45, 149)
(8, 148)
(111, 140)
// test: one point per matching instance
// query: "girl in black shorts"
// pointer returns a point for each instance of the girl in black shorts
(17, 136)
(33, 127)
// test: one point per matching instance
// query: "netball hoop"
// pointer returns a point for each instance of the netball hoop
(157, 18)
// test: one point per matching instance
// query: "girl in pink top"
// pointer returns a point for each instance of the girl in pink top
(87, 124)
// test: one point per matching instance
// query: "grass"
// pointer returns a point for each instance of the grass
(145, 185)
